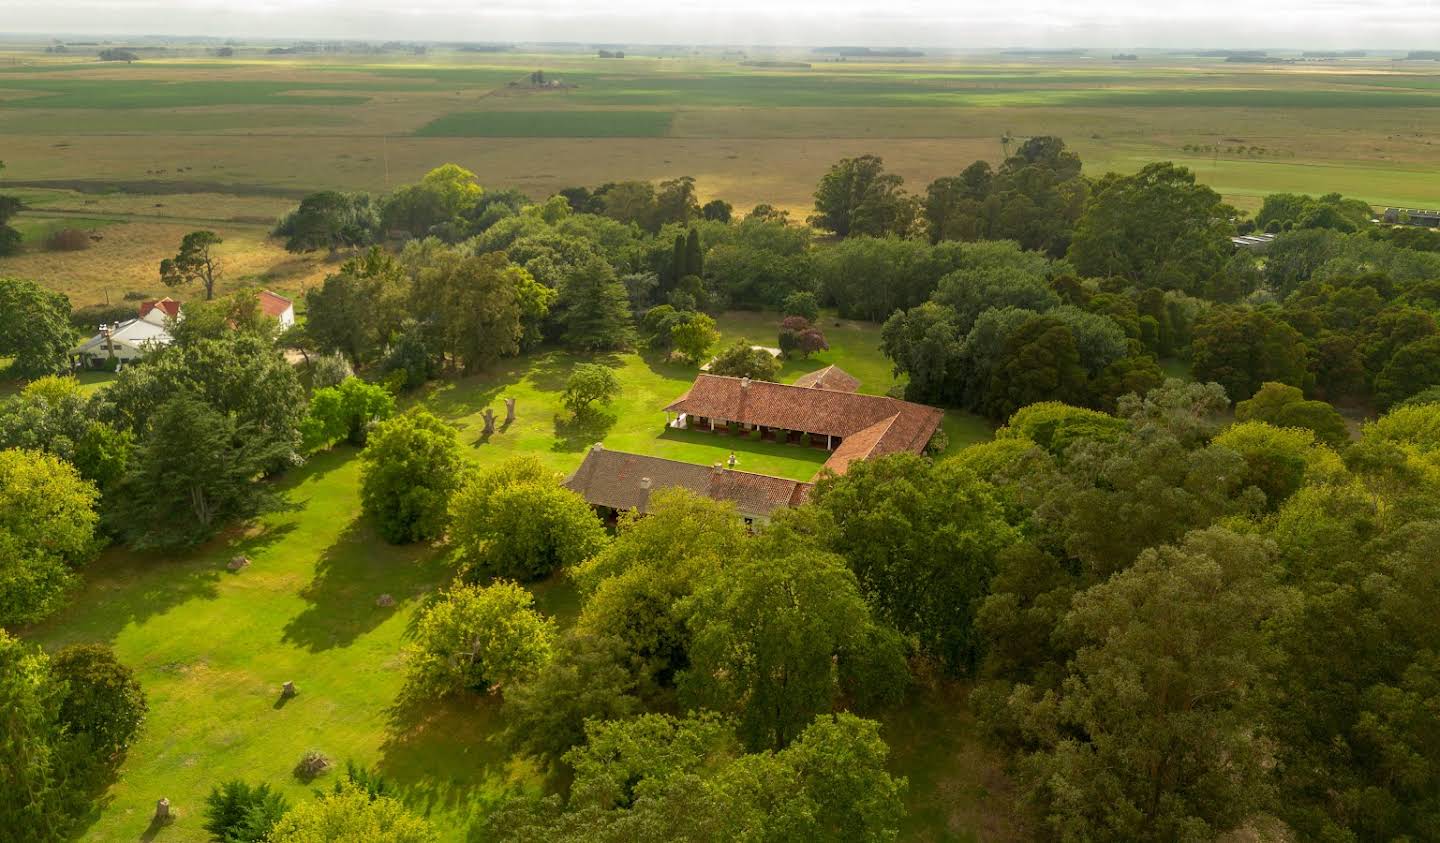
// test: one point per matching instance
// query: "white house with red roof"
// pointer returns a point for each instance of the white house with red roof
(131, 339)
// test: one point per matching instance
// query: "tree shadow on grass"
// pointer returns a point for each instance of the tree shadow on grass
(350, 577)
(449, 756)
(549, 373)
(578, 432)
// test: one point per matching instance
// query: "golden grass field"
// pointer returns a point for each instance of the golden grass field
(167, 145)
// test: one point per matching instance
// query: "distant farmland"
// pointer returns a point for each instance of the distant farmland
(261, 125)
(550, 124)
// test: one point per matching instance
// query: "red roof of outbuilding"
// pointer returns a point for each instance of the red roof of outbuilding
(625, 481)
(170, 307)
(274, 305)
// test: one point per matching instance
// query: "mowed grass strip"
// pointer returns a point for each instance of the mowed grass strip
(550, 124)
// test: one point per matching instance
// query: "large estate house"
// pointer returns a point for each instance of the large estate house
(820, 410)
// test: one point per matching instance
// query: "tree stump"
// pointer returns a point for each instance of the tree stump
(385, 601)
(489, 416)
(162, 810)
(288, 690)
(238, 562)
(509, 410)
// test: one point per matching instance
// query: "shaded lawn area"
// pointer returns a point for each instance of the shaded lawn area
(212, 647)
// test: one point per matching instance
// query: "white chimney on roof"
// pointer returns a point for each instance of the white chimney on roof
(744, 383)
(645, 482)
(719, 469)
(597, 447)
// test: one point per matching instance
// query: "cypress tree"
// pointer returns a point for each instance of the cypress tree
(694, 260)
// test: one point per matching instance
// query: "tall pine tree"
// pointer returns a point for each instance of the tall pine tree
(597, 308)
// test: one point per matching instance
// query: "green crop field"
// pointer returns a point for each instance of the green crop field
(212, 647)
(550, 124)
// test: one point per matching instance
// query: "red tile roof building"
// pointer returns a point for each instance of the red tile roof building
(823, 404)
(877, 424)
(830, 377)
(621, 481)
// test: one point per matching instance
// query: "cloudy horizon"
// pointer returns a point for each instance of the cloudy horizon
(1284, 24)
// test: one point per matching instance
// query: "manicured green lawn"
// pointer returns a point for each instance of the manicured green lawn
(212, 647)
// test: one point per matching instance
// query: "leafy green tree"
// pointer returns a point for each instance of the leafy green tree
(1278, 459)
(588, 383)
(596, 308)
(356, 310)
(1156, 733)
(196, 471)
(346, 411)
(351, 815)
(857, 197)
(477, 639)
(1157, 228)
(717, 210)
(524, 531)
(924, 343)
(435, 205)
(236, 812)
(654, 778)
(633, 588)
(872, 277)
(409, 469)
(773, 633)
(693, 335)
(37, 803)
(1356, 751)
(483, 320)
(330, 220)
(1055, 426)
(1285, 406)
(196, 262)
(675, 202)
(34, 329)
(1243, 349)
(921, 538)
(1040, 363)
(1413, 368)
(1161, 485)
(47, 532)
(242, 375)
(742, 360)
(801, 303)
(694, 257)
(971, 291)
(52, 415)
(587, 679)
(104, 704)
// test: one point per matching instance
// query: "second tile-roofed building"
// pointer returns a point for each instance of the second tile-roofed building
(829, 418)
(619, 481)
(830, 377)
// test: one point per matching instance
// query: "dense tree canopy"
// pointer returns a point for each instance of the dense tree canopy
(35, 330)
(1158, 228)
(409, 470)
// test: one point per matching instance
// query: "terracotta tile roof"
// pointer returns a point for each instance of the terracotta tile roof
(274, 305)
(830, 377)
(626, 481)
(828, 412)
(167, 305)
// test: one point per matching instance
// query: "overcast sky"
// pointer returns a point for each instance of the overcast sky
(1376, 24)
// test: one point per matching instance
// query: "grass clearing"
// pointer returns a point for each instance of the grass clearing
(549, 124)
(213, 647)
